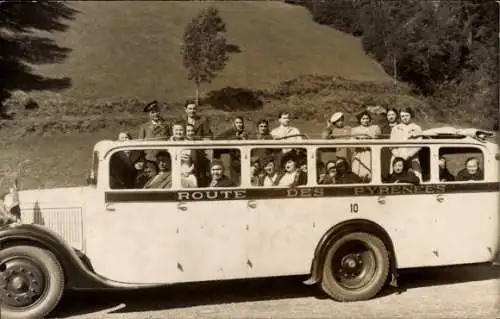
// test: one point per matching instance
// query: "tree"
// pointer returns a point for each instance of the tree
(205, 50)
(22, 43)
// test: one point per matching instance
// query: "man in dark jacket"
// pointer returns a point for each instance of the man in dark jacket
(217, 175)
(201, 125)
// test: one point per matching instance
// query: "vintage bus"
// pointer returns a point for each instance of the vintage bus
(162, 212)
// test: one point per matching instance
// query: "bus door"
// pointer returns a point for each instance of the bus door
(468, 207)
(134, 227)
(211, 215)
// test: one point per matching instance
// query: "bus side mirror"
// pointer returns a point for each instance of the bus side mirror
(91, 180)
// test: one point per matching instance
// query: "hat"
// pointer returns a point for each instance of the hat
(254, 159)
(290, 156)
(152, 106)
(330, 165)
(216, 162)
(267, 160)
(336, 116)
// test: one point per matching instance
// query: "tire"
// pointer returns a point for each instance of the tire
(356, 267)
(34, 276)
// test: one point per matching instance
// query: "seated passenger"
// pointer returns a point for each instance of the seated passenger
(218, 179)
(190, 131)
(344, 173)
(401, 173)
(146, 171)
(328, 177)
(270, 175)
(292, 176)
(188, 179)
(255, 171)
(164, 177)
(444, 173)
(471, 172)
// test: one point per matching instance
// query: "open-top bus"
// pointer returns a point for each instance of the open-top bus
(350, 236)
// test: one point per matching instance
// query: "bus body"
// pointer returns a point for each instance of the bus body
(106, 237)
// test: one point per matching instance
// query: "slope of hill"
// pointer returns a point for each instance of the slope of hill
(132, 49)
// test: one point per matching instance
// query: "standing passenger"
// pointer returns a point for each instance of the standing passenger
(402, 132)
(335, 127)
(361, 162)
(236, 132)
(284, 129)
(156, 128)
(201, 125)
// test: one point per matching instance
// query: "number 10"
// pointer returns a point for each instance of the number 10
(354, 208)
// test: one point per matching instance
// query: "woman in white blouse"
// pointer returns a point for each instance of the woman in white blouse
(403, 131)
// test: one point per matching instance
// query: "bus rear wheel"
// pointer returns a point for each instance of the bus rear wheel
(31, 282)
(356, 267)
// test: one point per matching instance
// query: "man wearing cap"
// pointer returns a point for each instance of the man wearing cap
(270, 174)
(156, 127)
(201, 125)
(218, 179)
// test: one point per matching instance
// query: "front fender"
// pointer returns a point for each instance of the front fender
(77, 274)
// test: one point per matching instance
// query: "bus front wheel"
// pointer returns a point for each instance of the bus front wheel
(356, 267)
(31, 282)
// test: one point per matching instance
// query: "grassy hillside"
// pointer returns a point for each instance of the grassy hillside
(126, 53)
(132, 49)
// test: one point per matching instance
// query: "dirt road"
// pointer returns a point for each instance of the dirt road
(464, 292)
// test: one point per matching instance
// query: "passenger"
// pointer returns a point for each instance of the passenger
(217, 175)
(391, 120)
(149, 171)
(291, 176)
(284, 129)
(255, 171)
(402, 132)
(188, 179)
(328, 177)
(201, 125)
(156, 128)
(401, 173)
(335, 127)
(365, 127)
(122, 170)
(444, 173)
(190, 133)
(177, 132)
(471, 172)
(236, 132)
(263, 131)
(344, 174)
(164, 177)
(270, 175)
(361, 161)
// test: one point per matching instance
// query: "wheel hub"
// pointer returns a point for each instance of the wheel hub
(21, 282)
(351, 265)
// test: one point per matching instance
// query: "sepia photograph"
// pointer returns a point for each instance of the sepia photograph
(284, 159)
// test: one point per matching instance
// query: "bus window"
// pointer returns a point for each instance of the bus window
(405, 165)
(136, 169)
(460, 164)
(210, 167)
(343, 165)
(283, 167)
